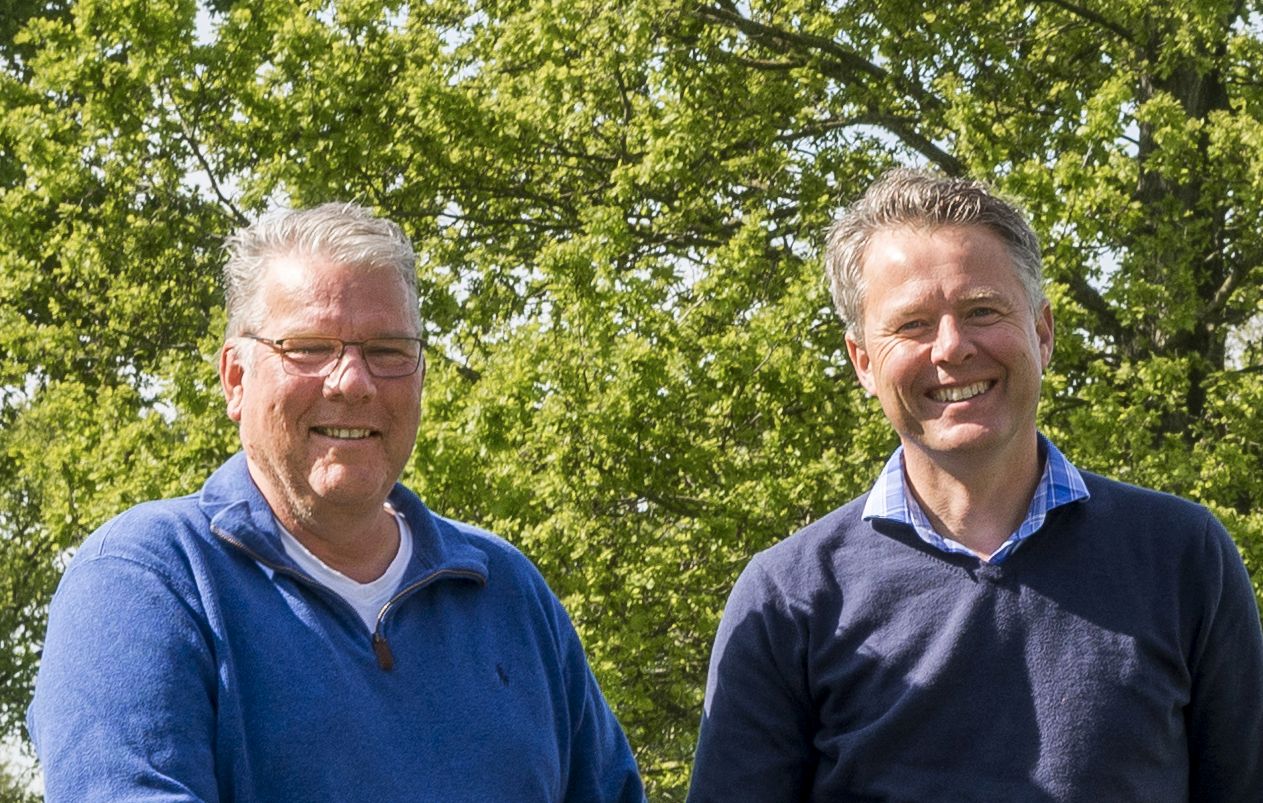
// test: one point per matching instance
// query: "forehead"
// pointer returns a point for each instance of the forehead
(969, 259)
(313, 289)
(294, 272)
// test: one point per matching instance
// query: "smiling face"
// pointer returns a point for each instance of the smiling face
(951, 347)
(332, 445)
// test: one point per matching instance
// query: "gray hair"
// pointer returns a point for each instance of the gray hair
(912, 198)
(344, 233)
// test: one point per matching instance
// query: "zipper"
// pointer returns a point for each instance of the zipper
(381, 647)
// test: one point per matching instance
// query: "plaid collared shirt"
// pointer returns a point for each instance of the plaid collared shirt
(1060, 485)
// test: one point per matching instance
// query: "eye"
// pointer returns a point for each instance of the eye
(381, 350)
(308, 349)
(391, 348)
(984, 314)
(911, 327)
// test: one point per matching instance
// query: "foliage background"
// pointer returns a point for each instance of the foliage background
(635, 375)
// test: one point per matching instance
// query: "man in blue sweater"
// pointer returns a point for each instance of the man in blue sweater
(303, 628)
(987, 623)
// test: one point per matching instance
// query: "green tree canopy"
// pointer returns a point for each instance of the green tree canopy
(635, 372)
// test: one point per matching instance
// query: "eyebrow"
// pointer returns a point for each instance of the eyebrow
(303, 334)
(916, 305)
(984, 294)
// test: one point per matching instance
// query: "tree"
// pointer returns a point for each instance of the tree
(635, 373)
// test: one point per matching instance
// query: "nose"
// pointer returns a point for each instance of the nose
(952, 343)
(350, 378)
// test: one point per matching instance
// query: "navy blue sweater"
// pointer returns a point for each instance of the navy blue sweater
(1116, 656)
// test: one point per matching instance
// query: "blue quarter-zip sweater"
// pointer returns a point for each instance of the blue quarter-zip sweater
(188, 658)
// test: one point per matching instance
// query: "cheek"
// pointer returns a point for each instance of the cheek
(895, 369)
(278, 418)
(406, 402)
(1033, 353)
(408, 420)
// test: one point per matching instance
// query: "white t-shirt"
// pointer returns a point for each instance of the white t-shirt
(366, 598)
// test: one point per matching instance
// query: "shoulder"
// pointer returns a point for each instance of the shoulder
(508, 569)
(842, 532)
(478, 536)
(499, 551)
(147, 569)
(514, 594)
(159, 536)
(1114, 497)
(1151, 533)
(1148, 515)
(142, 574)
(811, 560)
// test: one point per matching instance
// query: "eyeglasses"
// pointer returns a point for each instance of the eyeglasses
(386, 357)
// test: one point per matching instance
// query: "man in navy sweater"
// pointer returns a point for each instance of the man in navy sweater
(986, 623)
(303, 628)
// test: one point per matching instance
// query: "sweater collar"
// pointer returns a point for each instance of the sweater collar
(239, 514)
(1059, 484)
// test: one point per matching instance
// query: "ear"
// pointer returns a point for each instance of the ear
(1044, 332)
(863, 367)
(232, 371)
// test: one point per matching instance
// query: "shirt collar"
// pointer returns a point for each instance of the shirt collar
(1060, 484)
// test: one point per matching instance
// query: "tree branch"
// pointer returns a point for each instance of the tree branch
(848, 63)
(845, 66)
(1094, 18)
(1229, 285)
(1092, 301)
(188, 138)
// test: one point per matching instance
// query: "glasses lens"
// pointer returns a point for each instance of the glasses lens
(310, 356)
(317, 356)
(390, 356)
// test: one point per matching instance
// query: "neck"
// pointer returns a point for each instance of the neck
(977, 503)
(361, 548)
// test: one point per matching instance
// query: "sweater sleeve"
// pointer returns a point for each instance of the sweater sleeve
(757, 727)
(601, 768)
(1224, 716)
(122, 707)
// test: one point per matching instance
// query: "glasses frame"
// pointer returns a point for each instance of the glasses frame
(278, 345)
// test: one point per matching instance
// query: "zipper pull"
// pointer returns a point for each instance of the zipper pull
(385, 659)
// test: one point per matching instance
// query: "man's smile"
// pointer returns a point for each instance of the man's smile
(961, 392)
(344, 433)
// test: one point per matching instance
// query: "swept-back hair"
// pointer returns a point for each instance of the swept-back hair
(343, 233)
(906, 198)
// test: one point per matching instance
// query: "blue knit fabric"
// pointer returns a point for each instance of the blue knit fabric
(1116, 656)
(188, 658)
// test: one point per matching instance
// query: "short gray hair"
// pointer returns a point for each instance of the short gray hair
(343, 233)
(918, 199)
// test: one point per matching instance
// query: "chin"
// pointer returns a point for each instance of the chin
(968, 439)
(350, 486)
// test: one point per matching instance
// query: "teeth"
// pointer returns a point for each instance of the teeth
(959, 394)
(344, 434)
